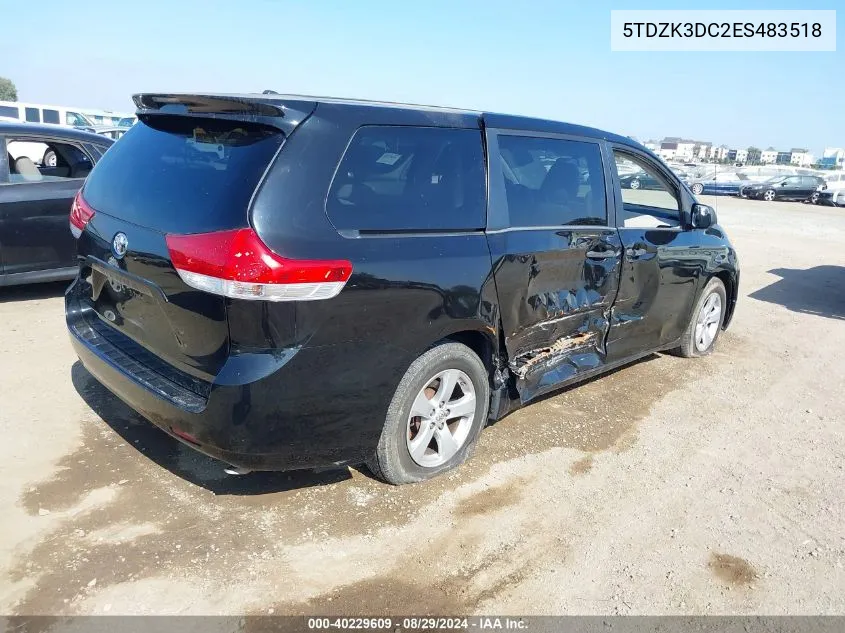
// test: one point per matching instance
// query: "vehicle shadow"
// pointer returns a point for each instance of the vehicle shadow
(31, 292)
(182, 461)
(819, 290)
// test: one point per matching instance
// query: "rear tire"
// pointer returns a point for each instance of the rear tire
(697, 188)
(700, 337)
(443, 441)
(49, 159)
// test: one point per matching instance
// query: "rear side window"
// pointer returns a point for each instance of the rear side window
(33, 160)
(181, 174)
(410, 178)
(552, 182)
(51, 116)
(9, 111)
(33, 115)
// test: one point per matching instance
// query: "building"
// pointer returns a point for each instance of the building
(833, 158)
(702, 151)
(754, 156)
(654, 146)
(769, 156)
(784, 158)
(680, 149)
(720, 153)
(800, 157)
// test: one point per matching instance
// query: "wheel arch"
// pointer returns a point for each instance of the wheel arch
(481, 341)
(730, 280)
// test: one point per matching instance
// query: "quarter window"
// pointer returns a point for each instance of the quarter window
(648, 198)
(410, 178)
(552, 182)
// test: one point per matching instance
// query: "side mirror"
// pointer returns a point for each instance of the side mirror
(702, 216)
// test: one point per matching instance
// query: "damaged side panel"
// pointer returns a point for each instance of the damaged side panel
(556, 290)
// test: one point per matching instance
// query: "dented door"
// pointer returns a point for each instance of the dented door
(662, 264)
(556, 255)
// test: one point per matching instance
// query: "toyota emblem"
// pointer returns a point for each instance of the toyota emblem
(119, 245)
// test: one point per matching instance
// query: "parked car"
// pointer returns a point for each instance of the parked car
(719, 184)
(832, 193)
(111, 131)
(128, 121)
(801, 188)
(639, 180)
(379, 284)
(35, 243)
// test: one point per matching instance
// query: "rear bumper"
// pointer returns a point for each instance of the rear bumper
(272, 413)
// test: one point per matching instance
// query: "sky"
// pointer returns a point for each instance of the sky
(542, 58)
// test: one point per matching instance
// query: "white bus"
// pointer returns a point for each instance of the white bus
(59, 115)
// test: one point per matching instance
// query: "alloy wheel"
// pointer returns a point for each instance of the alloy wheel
(635, 184)
(769, 195)
(441, 418)
(708, 322)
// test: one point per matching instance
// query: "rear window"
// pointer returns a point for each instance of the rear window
(183, 175)
(410, 178)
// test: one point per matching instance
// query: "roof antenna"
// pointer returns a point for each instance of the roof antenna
(269, 92)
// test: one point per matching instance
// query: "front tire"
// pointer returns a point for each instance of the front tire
(635, 184)
(769, 195)
(704, 327)
(814, 198)
(435, 416)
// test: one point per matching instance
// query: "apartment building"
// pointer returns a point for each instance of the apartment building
(769, 156)
(833, 157)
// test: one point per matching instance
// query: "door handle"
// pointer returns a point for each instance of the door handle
(634, 253)
(602, 254)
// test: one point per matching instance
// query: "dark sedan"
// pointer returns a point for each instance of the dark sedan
(36, 192)
(640, 180)
(798, 188)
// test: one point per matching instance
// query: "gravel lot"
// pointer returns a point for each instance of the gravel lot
(668, 487)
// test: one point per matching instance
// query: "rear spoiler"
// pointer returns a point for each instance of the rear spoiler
(276, 111)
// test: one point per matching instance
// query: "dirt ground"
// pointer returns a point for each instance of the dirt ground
(671, 486)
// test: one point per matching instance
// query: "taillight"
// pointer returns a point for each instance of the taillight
(80, 214)
(238, 264)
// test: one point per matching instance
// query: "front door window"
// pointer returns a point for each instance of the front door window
(649, 200)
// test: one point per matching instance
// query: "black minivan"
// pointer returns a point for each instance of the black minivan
(296, 282)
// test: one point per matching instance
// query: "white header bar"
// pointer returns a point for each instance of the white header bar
(723, 30)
